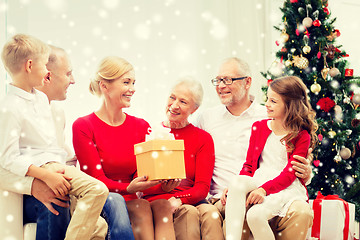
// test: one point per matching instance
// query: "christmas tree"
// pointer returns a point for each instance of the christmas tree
(308, 49)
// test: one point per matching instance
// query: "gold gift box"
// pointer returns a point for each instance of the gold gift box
(160, 159)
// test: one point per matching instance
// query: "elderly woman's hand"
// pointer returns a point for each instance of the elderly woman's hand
(175, 203)
(140, 184)
(303, 168)
(169, 185)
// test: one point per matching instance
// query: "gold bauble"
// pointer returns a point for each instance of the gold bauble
(315, 88)
(284, 37)
(301, 62)
(332, 134)
(334, 72)
(324, 72)
(345, 153)
(306, 49)
(307, 22)
(288, 63)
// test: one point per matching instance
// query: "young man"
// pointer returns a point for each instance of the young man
(230, 126)
(30, 147)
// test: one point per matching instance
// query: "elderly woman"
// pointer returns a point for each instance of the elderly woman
(184, 99)
(104, 145)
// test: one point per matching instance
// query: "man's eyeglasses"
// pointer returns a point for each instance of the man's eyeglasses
(225, 80)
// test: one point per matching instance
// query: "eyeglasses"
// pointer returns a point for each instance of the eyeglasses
(225, 80)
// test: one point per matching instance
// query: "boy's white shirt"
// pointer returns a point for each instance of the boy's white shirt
(31, 112)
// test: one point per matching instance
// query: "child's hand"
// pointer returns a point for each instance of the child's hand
(58, 182)
(169, 185)
(224, 196)
(256, 196)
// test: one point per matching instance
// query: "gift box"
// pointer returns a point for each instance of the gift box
(160, 159)
(334, 218)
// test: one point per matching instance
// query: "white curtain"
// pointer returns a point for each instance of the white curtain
(163, 39)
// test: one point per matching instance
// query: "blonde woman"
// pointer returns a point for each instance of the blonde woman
(104, 144)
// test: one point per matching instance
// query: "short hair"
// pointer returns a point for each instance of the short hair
(21, 48)
(110, 69)
(244, 68)
(194, 87)
(54, 56)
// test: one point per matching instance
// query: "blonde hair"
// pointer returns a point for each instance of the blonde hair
(194, 87)
(299, 114)
(21, 48)
(110, 69)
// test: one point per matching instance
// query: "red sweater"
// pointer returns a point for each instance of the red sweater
(259, 134)
(106, 152)
(199, 165)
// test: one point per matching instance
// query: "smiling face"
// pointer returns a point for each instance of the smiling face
(121, 90)
(180, 105)
(61, 77)
(275, 105)
(39, 72)
(236, 92)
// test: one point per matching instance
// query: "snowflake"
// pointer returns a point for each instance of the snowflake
(10, 218)
(165, 219)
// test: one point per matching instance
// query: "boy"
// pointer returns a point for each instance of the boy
(28, 145)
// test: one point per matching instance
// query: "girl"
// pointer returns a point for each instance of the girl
(267, 176)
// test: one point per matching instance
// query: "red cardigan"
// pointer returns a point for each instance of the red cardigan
(259, 134)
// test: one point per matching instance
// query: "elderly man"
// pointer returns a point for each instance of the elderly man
(230, 126)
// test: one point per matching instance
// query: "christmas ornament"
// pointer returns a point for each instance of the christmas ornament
(326, 104)
(356, 99)
(315, 88)
(301, 62)
(355, 122)
(326, 10)
(316, 163)
(330, 51)
(345, 153)
(337, 158)
(307, 22)
(334, 72)
(288, 63)
(284, 37)
(294, 1)
(331, 134)
(306, 49)
(349, 72)
(317, 23)
(324, 72)
(320, 137)
(318, 55)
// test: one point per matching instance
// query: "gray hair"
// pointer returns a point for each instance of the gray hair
(244, 68)
(194, 87)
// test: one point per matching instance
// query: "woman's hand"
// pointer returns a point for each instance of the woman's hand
(175, 203)
(256, 196)
(141, 183)
(169, 185)
(224, 196)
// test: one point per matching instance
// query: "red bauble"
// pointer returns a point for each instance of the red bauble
(317, 23)
(294, 1)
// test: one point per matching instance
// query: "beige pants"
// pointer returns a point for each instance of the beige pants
(198, 222)
(90, 195)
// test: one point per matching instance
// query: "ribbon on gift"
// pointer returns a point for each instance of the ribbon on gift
(317, 214)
